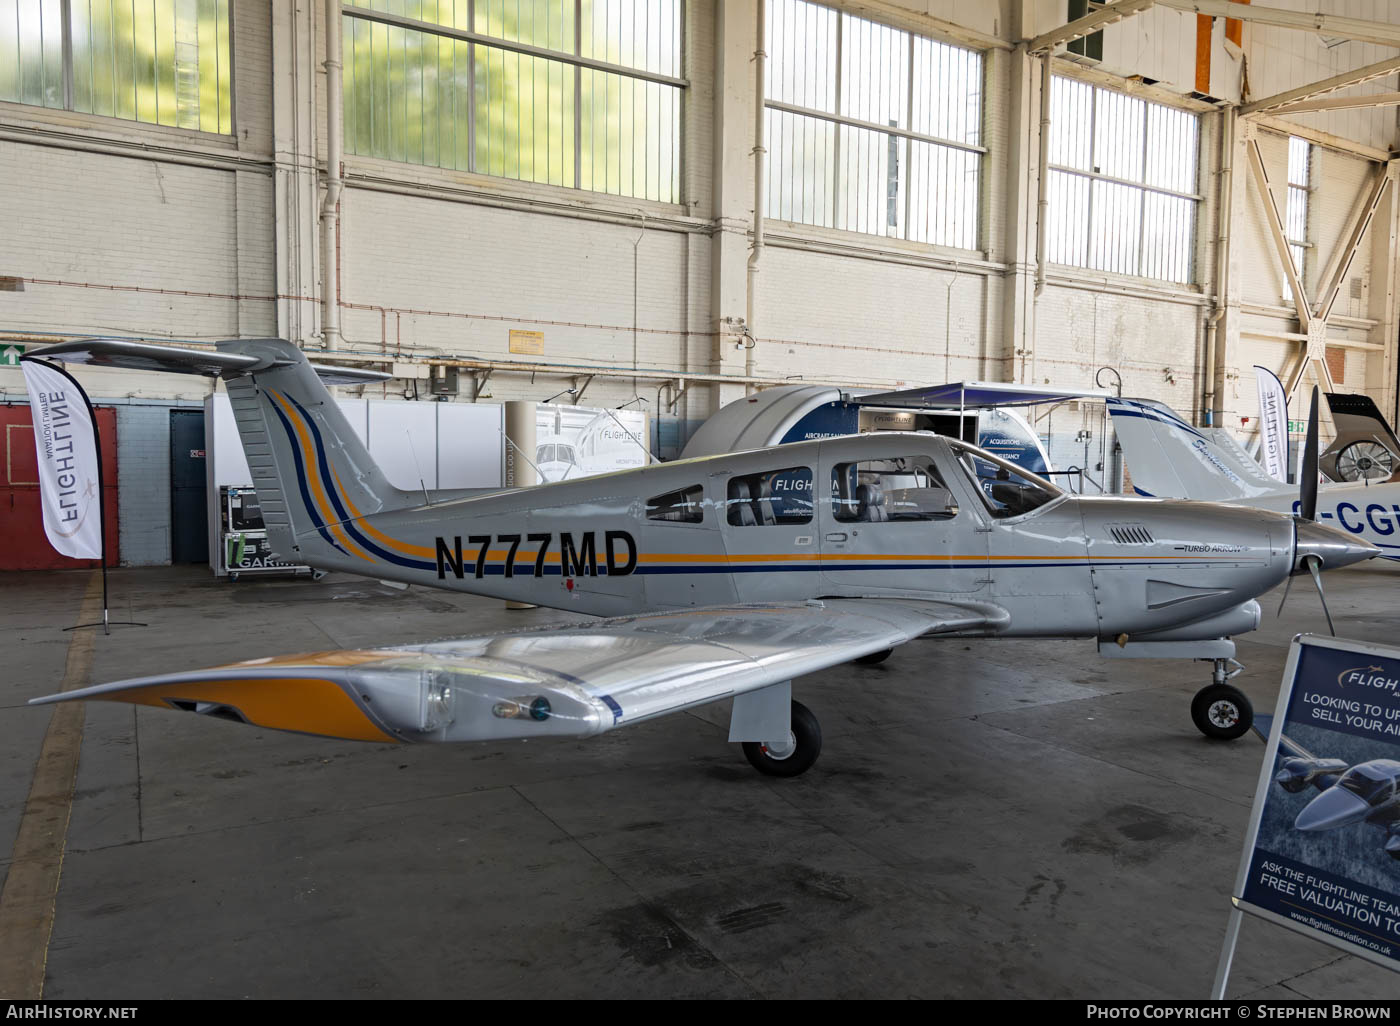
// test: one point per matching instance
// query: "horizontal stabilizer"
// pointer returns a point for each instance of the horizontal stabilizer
(572, 680)
(148, 356)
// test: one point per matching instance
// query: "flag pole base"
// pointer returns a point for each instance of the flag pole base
(107, 623)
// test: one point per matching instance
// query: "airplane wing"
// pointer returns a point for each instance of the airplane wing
(574, 680)
(123, 353)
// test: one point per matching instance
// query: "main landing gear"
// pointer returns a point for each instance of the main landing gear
(794, 754)
(1220, 710)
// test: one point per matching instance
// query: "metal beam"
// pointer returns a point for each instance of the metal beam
(1087, 25)
(1354, 241)
(1389, 66)
(1383, 33)
(1276, 232)
(1341, 103)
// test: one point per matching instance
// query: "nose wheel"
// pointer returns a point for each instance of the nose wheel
(1220, 710)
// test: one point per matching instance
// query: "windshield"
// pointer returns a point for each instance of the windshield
(1007, 490)
(551, 453)
(1371, 781)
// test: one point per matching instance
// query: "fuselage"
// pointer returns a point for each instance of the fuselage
(892, 514)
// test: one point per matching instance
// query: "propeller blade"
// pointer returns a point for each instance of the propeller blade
(1314, 566)
(1307, 487)
(1288, 585)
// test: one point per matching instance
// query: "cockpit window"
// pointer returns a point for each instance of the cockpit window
(899, 488)
(1007, 490)
(1372, 784)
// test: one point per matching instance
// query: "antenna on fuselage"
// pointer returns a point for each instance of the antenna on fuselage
(414, 453)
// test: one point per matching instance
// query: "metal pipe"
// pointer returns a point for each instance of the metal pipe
(1222, 266)
(330, 208)
(760, 63)
(1043, 176)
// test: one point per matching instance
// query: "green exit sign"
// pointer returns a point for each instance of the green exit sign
(10, 352)
(1297, 427)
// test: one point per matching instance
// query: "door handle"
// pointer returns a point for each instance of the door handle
(837, 536)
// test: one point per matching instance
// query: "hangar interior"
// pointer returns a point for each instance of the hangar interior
(940, 201)
(670, 206)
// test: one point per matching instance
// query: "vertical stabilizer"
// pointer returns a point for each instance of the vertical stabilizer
(1167, 457)
(312, 473)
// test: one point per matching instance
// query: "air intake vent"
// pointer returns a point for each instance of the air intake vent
(1130, 534)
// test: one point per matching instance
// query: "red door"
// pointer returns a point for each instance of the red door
(26, 547)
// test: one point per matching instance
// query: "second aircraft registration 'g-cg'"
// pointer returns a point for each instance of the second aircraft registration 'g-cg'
(717, 578)
(1168, 457)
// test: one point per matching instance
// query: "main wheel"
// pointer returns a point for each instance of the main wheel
(1222, 712)
(796, 755)
(875, 658)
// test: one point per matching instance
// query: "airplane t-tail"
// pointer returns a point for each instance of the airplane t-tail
(718, 578)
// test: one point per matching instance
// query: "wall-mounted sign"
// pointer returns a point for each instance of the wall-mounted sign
(530, 343)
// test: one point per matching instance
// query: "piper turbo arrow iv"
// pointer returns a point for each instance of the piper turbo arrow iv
(719, 578)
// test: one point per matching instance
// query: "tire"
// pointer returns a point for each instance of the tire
(1222, 712)
(874, 658)
(807, 738)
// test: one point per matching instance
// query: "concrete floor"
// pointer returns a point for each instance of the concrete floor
(987, 819)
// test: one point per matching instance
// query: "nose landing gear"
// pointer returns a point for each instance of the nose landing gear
(1220, 710)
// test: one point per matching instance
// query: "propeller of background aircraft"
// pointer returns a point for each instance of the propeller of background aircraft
(1307, 513)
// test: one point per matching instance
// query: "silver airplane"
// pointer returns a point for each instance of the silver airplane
(718, 578)
(1367, 792)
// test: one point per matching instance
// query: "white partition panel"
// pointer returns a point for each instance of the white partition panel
(357, 413)
(224, 450)
(469, 445)
(403, 441)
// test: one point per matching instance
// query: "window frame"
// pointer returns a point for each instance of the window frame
(1143, 187)
(224, 105)
(1302, 191)
(918, 463)
(649, 506)
(730, 501)
(575, 64)
(891, 134)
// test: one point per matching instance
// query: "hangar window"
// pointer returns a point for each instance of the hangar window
(871, 129)
(164, 62)
(681, 507)
(1296, 215)
(577, 93)
(900, 488)
(1122, 183)
(772, 497)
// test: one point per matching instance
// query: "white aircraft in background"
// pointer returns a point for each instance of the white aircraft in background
(723, 577)
(1168, 458)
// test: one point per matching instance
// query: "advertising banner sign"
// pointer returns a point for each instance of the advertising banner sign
(1273, 423)
(579, 441)
(1322, 855)
(70, 480)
